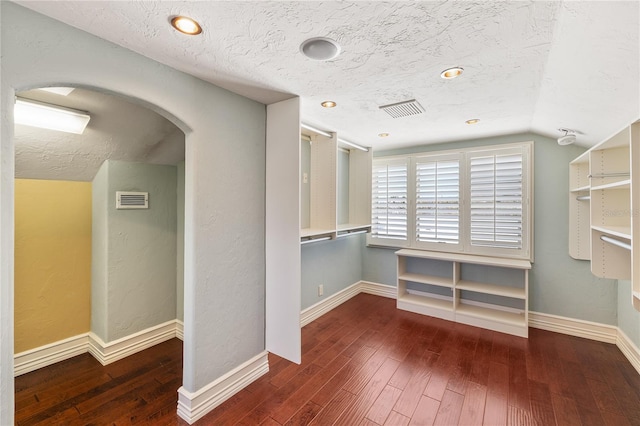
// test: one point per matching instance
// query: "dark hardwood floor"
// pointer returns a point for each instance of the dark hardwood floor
(364, 363)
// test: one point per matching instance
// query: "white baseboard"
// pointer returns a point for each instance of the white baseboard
(106, 353)
(574, 327)
(383, 290)
(33, 359)
(194, 405)
(629, 349)
(180, 330)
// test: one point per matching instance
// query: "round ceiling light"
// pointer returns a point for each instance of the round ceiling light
(383, 135)
(473, 121)
(450, 73)
(320, 49)
(328, 104)
(186, 25)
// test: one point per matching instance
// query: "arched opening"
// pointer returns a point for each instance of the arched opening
(132, 279)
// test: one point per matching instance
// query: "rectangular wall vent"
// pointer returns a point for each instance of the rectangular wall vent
(403, 109)
(132, 200)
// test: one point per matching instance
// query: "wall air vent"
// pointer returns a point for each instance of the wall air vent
(132, 200)
(403, 109)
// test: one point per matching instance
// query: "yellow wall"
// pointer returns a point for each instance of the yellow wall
(52, 261)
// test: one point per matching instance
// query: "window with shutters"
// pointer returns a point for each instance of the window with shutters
(476, 201)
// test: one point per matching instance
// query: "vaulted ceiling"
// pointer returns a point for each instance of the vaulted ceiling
(528, 65)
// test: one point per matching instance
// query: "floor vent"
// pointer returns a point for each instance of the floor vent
(403, 109)
(132, 200)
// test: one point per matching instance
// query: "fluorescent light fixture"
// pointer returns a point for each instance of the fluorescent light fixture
(315, 130)
(354, 145)
(52, 117)
(64, 91)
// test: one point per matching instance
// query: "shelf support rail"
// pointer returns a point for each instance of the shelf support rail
(583, 197)
(615, 242)
(606, 175)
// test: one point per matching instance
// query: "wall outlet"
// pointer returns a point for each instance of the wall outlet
(305, 178)
(320, 290)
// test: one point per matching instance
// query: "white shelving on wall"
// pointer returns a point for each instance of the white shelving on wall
(438, 284)
(323, 178)
(613, 192)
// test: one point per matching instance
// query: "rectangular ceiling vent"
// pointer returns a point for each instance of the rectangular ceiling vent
(403, 109)
(132, 200)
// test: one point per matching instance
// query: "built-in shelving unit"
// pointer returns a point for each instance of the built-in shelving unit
(442, 285)
(604, 205)
(325, 200)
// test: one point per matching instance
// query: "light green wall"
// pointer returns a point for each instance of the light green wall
(628, 317)
(180, 245)
(336, 264)
(137, 249)
(559, 285)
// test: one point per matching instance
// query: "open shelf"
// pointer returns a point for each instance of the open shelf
(510, 286)
(616, 231)
(621, 184)
(426, 279)
(497, 290)
(581, 189)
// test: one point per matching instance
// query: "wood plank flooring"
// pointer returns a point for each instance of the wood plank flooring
(364, 363)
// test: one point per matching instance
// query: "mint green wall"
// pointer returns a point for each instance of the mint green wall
(336, 264)
(628, 317)
(180, 245)
(558, 285)
(135, 264)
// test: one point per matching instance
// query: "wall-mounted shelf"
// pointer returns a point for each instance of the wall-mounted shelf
(603, 227)
(335, 189)
(441, 285)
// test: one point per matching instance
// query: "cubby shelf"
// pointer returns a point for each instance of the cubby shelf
(457, 305)
(603, 229)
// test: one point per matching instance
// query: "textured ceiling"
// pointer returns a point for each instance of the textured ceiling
(529, 65)
(118, 130)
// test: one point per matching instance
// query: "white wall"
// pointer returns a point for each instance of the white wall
(224, 186)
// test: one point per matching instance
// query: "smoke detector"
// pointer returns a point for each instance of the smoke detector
(568, 138)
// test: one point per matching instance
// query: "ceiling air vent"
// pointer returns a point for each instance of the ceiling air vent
(403, 109)
(132, 200)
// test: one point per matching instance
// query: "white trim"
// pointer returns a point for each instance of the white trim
(628, 349)
(574, 327)
(180, 330)
(33, 359)
(106, 353)
(317, 310)
(194, 405)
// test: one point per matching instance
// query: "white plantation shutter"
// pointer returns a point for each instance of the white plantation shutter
(475, 200)
(389, 199)
(496, 198)
(437, 200)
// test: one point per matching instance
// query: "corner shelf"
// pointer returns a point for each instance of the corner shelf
(604, 227)
(431, 283)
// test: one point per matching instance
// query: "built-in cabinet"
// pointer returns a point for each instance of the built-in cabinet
(604, 201)
(482, 291)
(323, 178)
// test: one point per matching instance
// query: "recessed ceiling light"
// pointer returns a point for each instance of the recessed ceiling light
(328, 104)
(383, 135)
(320, 48)
(473, 121)
(186, 25)
(450, 73)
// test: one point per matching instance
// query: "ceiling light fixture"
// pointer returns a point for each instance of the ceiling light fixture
(450, 73)
(383, 135)
(186, 25)
(329, 104)
(568, 138)
(52, 117)
(320, 48)
(473, 121)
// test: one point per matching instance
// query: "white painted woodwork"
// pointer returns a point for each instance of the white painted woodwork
(359, 189)
(456, 308)
(282, 240)
(613, 186)
(323, 186)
